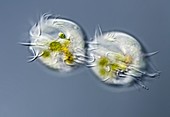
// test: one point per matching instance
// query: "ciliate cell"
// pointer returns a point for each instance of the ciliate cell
(119, 59)
(57, 42)
(116, 57)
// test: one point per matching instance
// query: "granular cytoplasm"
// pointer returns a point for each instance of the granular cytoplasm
(57, 42)
(119, 59)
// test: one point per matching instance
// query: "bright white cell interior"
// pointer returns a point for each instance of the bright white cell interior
(117, 42)
(47, 30)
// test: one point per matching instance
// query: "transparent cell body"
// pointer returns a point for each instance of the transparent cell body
(119, 59)
(58, 43)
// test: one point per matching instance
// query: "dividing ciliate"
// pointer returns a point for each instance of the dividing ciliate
(115, 57)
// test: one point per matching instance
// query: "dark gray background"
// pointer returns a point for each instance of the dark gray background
(30, 90)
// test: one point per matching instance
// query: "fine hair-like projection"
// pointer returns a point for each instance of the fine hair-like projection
(57, 42)
(119, 59)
